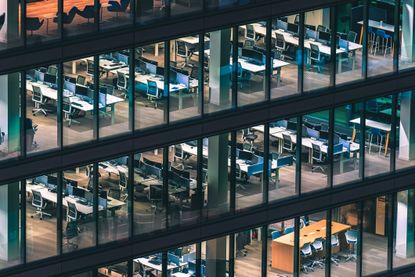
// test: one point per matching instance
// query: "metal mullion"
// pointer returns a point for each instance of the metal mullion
(23, 23)
(130, 265)
(396, 34)
(165, 189)
(133, 13)
(97, 14)
(327, 247)
(201, 81)
(333, 45)
(359, 244)
(234, 73)
(393, 134)
(232, 238)
(365, 38)
(59, 106)
(59, 217)
(330, 149)
(131, 91)
(199, 189)
(198, 259)
(269, 60)
(267, 170)
(164, 262)
(23, 130)
(298, 154)
(232, 204)
(362, 139)
(95, 184)
(390, 203)
(130, 189)
(96, 97)
(166, 90)
(302, 55)
(23, 204)
(264, 259)
(296, 271)
(60, 22)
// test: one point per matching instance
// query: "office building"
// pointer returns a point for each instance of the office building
(207, 138)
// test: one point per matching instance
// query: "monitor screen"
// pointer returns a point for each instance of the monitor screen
(252, 54)
(282, 25)
(152, 68)
(245, 155)
(102, 100)
(291, 125)
(344, 44)
(81, 90)
(49, 78)
(311, 27)
(324, 135)
(183, 173)
(311, 33)
(103, 194)
(313, 133)
(79, 192)
(292, 28)
(160, 70)
(52, 180)
(52, 70)
(324, 36)
(81, 80)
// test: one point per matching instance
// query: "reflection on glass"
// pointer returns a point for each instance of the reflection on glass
(251, 63)
(113, 200)
(9, 116)
(150, 97)
(380, 37)
(41, 112)
(216, 4)
(215, 257)
(184, 203)
(41, 212)
(178, 8)
(114, 90)
(404, 126)
(115, 13)
(347, 143)
(280, 254)
(114, 270)
(285, 52)
(78, 226)
(344, 243)
(249, 167)
(378, 129)
(314, 154)
(375, 235)
(217, 71)
(184, 72)
(404, 248)
(78, 18)
(406, 53)
(10, 227)
(348, 45)
(149, 205)
(150, 10)
(282, 154)
(317, 47)
(78, 101)
(216, 173)
(41, 21)
(248, 252)
(10, 14)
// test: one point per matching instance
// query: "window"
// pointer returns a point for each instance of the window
(10, 24)
(149, 11)
(179, 8)
(248, 253)
(41, 21)
(79, 19)
(41, 109)
(280, 247)
(406, 53)
(115, 14)
(404, 140)
(10, 114)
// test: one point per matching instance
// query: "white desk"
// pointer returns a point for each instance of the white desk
(157, 267)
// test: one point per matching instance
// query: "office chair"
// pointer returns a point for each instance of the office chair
(183, 50)
(288, 230)
(317, 249)
(351, 36)
(280, 45)
(351, 239)
(249, 136)
(318, 158)
(154, 94)
(297, 19)
(71, 232)
(122, 83)
(335, 243)
(90, 67)
(321, 28)
(67, 18)
(68, 111)
(39, 100)
(275, 234)
(305, 254)
(180, 155)
(241, 177)
(250, 32)
(123, 181)
(88, 12)
(39, 204)
(81, 80)
(155, 197)
(377, 136)
(383, 39)
(315, 57)
(118, 7)
(2, 20)
(249, 43)
(243, 76)
(288, 145)
(33, 24)
(71, 212)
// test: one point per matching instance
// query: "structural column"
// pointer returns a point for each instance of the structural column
(405, 225)
(408, 32)
(216, 257)
(407, 127)
(9, 32)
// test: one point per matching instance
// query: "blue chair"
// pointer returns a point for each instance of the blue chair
(154, 94)
(88, 12)
(275, 234)
(67, 18)
(33, 24)
(118, 7)
(377, 136)
(384, 39)
(288, 230)
(2, 19)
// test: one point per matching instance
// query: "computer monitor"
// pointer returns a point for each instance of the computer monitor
(78, 192)
(324, 135)
(173, 76)
(73, 183)
(160, 70)
(102, 100)
(81, 80)
(52, 180)
(313, 125)
(252, 54)
(152, 68)
(292, 28)
(310, 34)
(52, 70)
(313, 133)
(81, 90)
(155, 193)
(336, 139)
(153, 163)
(311, 27)
(183, 173)
(344, 44)
(282, 25)
(123, 58)
(291, 125)
(103, 194)
(49, 78)
(324, 36)
(245, 155)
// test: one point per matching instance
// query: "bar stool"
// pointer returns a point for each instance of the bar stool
(386, 41)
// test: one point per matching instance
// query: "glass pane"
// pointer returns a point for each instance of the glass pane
(184, 207)
(349, 47)
(41, 21)
(150, 98)
(150, 10)
(312, 248)
(78, 18)
(217, 71)
(404, 130)
(10, 34)
(216, 4)
(314, 159)
(249, 167)
(317, 47)
(182, 260)
(184, 72)
(78, 224)
(78, 101)
(282, 141)
(380, 37)
(115, 13)
(114, 270)
(344, 240)
(150, 265)
(280, 248)
(216, 174)
(113, 200)
(178, 7)
(215, 257)
(149, 206)
(375, 235)
(41, 109)
(10, 225)
(346, 157)
(378, 128)
(251, 63)
(404, 248)
(114, 90)
(406, 37)
(285, 52)
(248, 253)
(10, 114)
(41, 210)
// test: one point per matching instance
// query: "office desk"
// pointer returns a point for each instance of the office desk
(283, 247)
(374, 124)
(108, 65)
(192, 150)
(157, 267)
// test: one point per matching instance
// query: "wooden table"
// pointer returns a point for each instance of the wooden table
(283, 247)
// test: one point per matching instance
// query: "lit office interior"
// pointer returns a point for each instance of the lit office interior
(354, 239)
